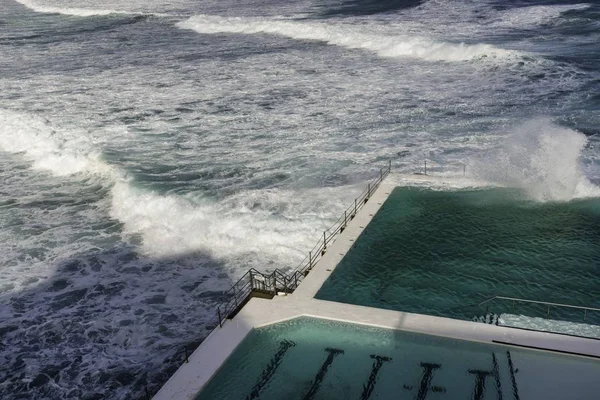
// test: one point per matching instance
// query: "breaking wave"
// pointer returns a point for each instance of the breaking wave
(274, 225)
(349, 36)
(73, 11)
(542, 159)
(60, 152)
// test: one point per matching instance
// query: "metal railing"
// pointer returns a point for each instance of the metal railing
(255, 282)
(543, 303)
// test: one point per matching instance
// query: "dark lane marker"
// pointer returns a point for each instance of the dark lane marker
(512, 376)
(269, 371)
(322, 372)
(497, 376)
(480, 376)
(428, 369)
(370, 385)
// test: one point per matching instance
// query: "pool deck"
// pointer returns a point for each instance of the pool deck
(191, 377)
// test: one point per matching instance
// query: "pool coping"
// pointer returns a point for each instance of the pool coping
(208, 358)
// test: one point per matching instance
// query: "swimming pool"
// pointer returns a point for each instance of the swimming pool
(309, 358)
(442, 253)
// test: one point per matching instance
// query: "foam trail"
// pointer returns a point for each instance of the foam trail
(78, 12)
(272, 226)
(350, 37)
(535, 15)
(542, 159)
(225, 230)
(61, 153)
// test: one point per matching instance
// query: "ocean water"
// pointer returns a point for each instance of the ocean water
(152, 151)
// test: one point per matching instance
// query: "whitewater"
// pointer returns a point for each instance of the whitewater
(151, 152)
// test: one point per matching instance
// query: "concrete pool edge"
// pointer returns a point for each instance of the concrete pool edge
(206, 361)
(343, 243)
(214, 351)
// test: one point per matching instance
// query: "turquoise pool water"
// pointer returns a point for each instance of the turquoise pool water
(309, 358)
(442, 253)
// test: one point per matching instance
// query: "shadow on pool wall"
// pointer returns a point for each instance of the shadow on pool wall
(443, 253)
(88, 332)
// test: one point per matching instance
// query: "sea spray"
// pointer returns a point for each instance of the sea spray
(227, 229)
(542, 159)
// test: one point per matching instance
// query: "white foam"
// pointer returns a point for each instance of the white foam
(58, 151)
(439, 181)
(268, 226)
(535, 15)
(542, 159)
(228, 229)
(78, 12)
(349, 36)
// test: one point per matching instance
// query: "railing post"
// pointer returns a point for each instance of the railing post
(251, 280)
(219, 314)
(355, 206)
(310, 260)
(369, 190)
(584, 313)
(425, 167)
(380, 174)
(295, 280)
(548, 313)
(146, 390)
(324, 239)
(345, 218)
(186, 354)
(390, 165)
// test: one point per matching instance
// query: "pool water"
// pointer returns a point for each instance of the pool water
(442, 253)
(308, 358)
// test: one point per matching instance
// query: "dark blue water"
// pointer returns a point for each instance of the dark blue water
(153, 151)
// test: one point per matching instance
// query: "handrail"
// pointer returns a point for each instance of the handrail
(243, 288)
(282, 281)
(538, 302)
(279, 280)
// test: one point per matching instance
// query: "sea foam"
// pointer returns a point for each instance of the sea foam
(60, 152)
(79, 12)
(274, 226)
(542, 159)
(349, 36)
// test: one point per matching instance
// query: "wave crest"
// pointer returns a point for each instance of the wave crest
(76, 12)
(60, 152)
(348, 36)
(542, 159)
(263, 227)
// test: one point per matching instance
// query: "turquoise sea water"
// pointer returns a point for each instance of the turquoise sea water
(308, 358)
(442, 253)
